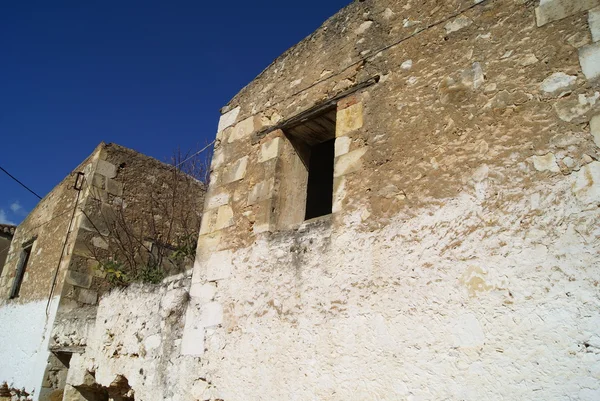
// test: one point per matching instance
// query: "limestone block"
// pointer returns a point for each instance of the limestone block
(207, 244)
(589, 58)
(349, 119)
(211, 314)
(587, 183)
(152, 342)
(192, 342)
(78, 279)
(228, 119)
(215, 200)
(264, 217)
(219, 266)
(100, 242)
(342, 145)
(218, 158)
(106, 169)
(595, 129)
(269, 150)
(546, 162)
(98, 181)
(594, 22)
(114, 187)
(224, 217)
(457, 24)
(208, 222)
(349, 163)
(558, 82)
(88, 297)
(235, 171)
(554, 10)
(339, 193)
(204, 292)
(242, 130)
(261, 191)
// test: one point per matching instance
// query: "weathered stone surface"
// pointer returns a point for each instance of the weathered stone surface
(457, 24)
(587, 183)
(349, 119)
(114, 187)
(228, 119)
(589, 57)
(553, 10)
(236, 171)
(269, 150)
(216, 200)
(224, 217)
(595, 129)
(594, 23)
(546, 162)
(242, 130)
(261, 191)
(211, 314)
(349, 163)
(78, 279)
(106, 169)
(89, 297)
(205, 292)
(342, 145)
(219, 266)
(557, 83)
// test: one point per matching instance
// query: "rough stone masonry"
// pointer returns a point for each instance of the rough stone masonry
(459, 255)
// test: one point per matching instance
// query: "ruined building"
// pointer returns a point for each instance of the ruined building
(403, 206)
(72, 248)
(6, 233)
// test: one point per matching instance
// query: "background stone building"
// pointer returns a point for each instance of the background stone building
(6, 233)
(403, 206)
(67, 253)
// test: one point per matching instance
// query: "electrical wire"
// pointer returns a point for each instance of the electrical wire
(20, 183)
(196, 154)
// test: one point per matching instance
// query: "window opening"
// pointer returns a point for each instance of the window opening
(313, 140)
(21, 267)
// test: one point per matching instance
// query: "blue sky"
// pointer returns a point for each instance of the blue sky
(149, 75)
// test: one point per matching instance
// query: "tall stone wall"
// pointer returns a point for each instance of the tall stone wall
(460, 260)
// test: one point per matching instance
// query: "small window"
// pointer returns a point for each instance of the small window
(307, 171)
(21, 267)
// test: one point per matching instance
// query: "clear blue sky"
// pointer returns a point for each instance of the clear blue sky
(149, 75)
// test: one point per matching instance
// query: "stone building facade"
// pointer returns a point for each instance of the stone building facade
(6, 233)
(52, 280)
(403, 206)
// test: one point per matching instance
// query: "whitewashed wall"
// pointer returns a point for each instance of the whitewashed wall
(24, 337)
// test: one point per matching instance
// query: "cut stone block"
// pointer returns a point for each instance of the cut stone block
(342, 145)
(106, 169)
(217, 200)
(349, 163)
(595, 129)
(89, 297)
(114, 187)
(205, 292)
(219, 266)
(236, 171)
(242, 130)
(98, 181)
(339, 193)
(192, 342)
(208, 222)
(261, 191)
(554, 10)
(269, 150)
(211, 314)
(594, 22)
(228, 119)
(78, 279)
(589, 58)
(264, 217)
(224, 217)
(349, 119)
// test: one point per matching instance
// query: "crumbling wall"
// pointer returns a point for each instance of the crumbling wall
(460, 258)
(141, 342)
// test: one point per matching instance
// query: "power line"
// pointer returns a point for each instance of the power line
(195, 154)
(20, 183)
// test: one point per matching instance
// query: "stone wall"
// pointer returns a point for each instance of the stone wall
(458, 262)
(460, 258)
